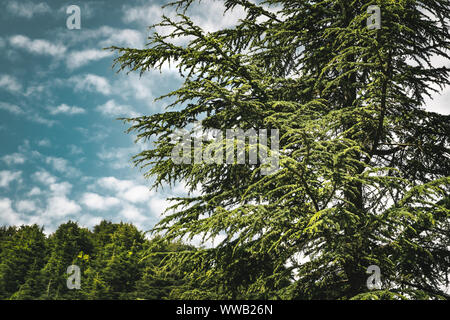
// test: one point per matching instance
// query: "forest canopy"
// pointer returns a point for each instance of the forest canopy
(113, 258)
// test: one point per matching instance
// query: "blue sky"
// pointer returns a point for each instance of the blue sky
(63, 155)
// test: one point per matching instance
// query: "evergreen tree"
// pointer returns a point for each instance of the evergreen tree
(21, 259)
(364, 167)
(66, 245)
(116, 268)
(113, 259)
(158, 282)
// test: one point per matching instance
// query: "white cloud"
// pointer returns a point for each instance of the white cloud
(158, 206)
(98, 202)
(138, 87)
(31, 116)
(44, 177)
(126, 189)
(145, 15)
(62, 165)
(105, 36)
(10, 83)
(133, 214)
(80, 58)
(209, 15)
(75, 150)
(89, 221)
(111, 108)
(26, 9)
(91, 82)
(439, 103)
(37, 46)
(117, 158)
(6, 177)
(26, 206)
(44, 143)
(7, 215)
(65, 109)
(34, 90)
(15, 158)
(137, 194)
(61, 206)
(125, 37)
(12, 108)
(96, 133)
(35, 191)
(115, 184)
(60, 189)
(38, 119)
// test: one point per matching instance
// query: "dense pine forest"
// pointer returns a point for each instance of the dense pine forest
(114, 258)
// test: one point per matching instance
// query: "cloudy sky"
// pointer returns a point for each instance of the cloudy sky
(63, 155)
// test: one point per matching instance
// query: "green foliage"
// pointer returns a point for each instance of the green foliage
(364, 168)
(21, 258)
(113, 260)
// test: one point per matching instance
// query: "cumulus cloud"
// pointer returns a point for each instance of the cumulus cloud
(89, 221)
(78, 59)
(10, 83)
(65, 109)
(14, 158)
(35, 191)
(138, 87)
(6, 177)
(158, 206)
(98, 202)
(209, 15)
(75, 150)
(125, 37)
(112, 109)
(60, 189)
(115, 184)
(12, 108)
(134, 215)
(105, 36)
(62, 165)
(91, 82)
(31, 116)
(38, 46)
(126, 189)
(27, 9)
(38, 119)
(145, 15)
(44, 177)
(137, 194)
(117, 158)
(439, 103)
(7, 215)
(26, 206)
(61, 206)
(44, 143)
(96, 133)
